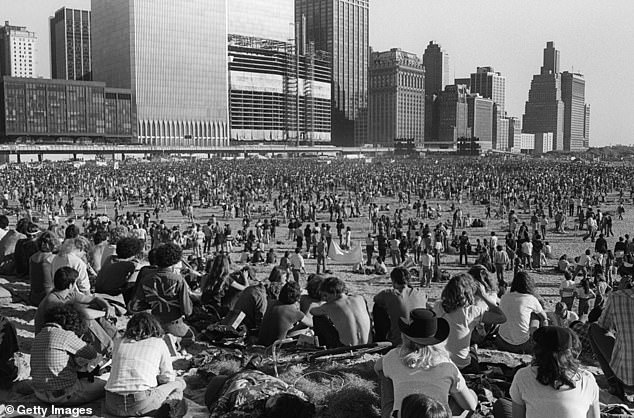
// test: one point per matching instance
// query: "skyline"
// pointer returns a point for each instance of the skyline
(507, 35)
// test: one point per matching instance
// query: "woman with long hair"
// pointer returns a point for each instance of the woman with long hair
(554, 385)
(524, 313)
(421, 364)
(40, 267)
(142, 377)
(458, 306)
(212, 284)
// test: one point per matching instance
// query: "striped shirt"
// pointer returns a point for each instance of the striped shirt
(618, 316)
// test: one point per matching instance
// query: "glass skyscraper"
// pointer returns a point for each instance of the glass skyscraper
(266, 19)
(341, 27)
(70, 45)
(172, 54)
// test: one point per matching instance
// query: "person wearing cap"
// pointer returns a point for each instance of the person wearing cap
(554, 385)
(421, 364)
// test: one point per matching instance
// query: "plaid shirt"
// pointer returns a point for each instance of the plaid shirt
(53, 353)
(618, 316)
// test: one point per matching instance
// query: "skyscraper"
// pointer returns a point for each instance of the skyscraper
(480, 120)
(70, 45)
(544, 110)
(396, 98)
(173, 56)
(491, 85)
(18, 49)
(341, 28)
(573, 93)
(265, 19)
(453, 117)
(437, 76)
(586, 126)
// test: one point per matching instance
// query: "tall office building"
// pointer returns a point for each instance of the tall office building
(586, 126)
(480, 120)
(573, 94)
(515, 134)
(18, 51)
(501, 129)
(453, 117)
(265, 19)
(396, 98)
(70, 45)
(544, 110)
(173, 56)
(341, 28)
(491, 85)
(437, 77)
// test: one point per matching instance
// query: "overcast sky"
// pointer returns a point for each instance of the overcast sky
(594, 37)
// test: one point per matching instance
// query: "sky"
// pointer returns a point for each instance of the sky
(594, 37)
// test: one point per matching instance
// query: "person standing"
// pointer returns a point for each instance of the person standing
(297, 264)
(500, 260)
(426, 262)
(463, 248)
(369, 249)
(321, 255)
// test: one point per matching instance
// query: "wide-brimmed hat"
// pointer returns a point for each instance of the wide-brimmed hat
(424, 327)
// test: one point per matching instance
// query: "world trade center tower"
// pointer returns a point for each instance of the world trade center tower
(172, 54)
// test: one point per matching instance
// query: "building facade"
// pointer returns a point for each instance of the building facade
(544, 110)
(173, 57)
(341, 28)
(501, 129)
(277, 96)
(515, 134)
(396, 98)
(543, 142)
(480, 120)
(266, 19)
(586, 126)
(527, 143)
(437, 77)
(453, 118)
(41, 109)
(573, 94)
(18, 51)
(71, 45)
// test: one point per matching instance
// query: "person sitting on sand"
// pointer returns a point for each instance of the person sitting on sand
(118, 274)
(379, 266)
(283, 315)
(421, 364)
(390, 305)
(343, 320)
(142, 378)
(57, 354)
(562, 316)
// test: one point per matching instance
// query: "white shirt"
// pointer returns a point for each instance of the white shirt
(297, 261)
(3, 232)
(518, 308)
(545, 401)
(74, 261)
(136, 365)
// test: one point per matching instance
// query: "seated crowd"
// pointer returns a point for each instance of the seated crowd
(80, 291)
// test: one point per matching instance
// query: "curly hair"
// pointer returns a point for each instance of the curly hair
(118, 233)
(557, 368)
(168, 254)
(523, 283)
(458, 292)
(313, 284)
(71, 231)
(142, 326)
(129, 247)
(290, 293)
(100, 236)
(333, 285)
(67, 316)
(47, 242)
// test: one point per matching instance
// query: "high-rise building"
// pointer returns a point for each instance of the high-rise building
(544, 110)
(491, 85)
(465, 81)
(543, 142)
(586, 126)
(70, 45)
(515, 134)
(437, 77)
(573, 94)
(480, 120)
(264, 19)
(173, 56)
(501, 129)
(341, 28)
(18, 51)
(453, 117)
(396, 98)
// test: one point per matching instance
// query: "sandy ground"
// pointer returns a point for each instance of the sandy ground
(368, 285)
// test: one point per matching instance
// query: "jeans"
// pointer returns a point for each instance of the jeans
(143, 402)
(80, 393)
(426, 276)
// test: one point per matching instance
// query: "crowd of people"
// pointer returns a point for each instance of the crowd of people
(119, 253)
